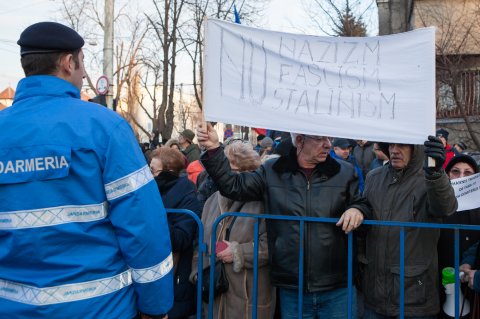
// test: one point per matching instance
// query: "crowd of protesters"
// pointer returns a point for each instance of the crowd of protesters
(320, 176)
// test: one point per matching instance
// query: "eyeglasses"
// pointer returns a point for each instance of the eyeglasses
(155, 172)
(455, 172)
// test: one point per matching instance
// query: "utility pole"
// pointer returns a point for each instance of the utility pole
(108, 51)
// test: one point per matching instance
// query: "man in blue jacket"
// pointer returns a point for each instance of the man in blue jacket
(341, 151)
(83, 231)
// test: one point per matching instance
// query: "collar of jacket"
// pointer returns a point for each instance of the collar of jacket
(289, 163)
(45, 85)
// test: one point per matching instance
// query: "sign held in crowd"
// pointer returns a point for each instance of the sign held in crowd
(373, 88)
(467, 191)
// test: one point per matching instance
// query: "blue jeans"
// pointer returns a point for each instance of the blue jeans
(370, 314)
(327, 304)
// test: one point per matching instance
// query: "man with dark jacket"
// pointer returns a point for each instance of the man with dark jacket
(363, 153)
(305, 182)
(401, 191)
(189, 149)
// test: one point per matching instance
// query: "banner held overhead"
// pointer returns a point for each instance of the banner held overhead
(370, 88)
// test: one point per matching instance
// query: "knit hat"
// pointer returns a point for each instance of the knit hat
(442, 133)
(462, 158)
(266, 142)
(188, 135)
(462, 145)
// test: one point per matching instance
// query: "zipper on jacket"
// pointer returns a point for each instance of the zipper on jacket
(306, 264)
(306, 283)
(387, 274)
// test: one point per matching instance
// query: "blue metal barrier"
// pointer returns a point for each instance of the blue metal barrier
(202, 249)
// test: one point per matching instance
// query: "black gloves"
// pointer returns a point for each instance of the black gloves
(434, 149)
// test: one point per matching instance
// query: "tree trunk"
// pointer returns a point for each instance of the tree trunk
(166, 46)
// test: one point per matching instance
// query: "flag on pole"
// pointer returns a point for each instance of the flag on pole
(237, 17)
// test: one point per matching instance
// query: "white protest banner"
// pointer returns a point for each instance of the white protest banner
(467, 192)
(372, 88)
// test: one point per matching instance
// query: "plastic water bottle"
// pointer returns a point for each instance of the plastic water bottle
(448, 281)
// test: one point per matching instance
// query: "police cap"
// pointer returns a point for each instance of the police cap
(49, 37)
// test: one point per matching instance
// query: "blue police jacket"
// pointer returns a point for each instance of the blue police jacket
(83, 231)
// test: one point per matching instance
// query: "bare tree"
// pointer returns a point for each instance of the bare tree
(457, 51)
(192, 35)
(340, 17)
(149, 99)
(86, 16)
(77, 15)
(165, 24)
(187, 111)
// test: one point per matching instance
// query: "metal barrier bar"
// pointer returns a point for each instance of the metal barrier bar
(350, 275)
(202, 249)
(255, 269)
(457, 274)
(402, 272)
(300, 268)
(213, 241)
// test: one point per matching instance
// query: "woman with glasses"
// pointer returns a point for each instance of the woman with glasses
(237, 252)
(458, 167)
(178, 192)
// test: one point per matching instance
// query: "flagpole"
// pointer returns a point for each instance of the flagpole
(205, 18)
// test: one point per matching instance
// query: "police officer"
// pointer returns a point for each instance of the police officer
(83, 231)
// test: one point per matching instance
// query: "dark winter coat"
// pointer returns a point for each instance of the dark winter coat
(472, 257)
(179, 192)
(206, 188)
(364, 156)
(285, 190)
(467, 237)
(192, 153)
(408, 196)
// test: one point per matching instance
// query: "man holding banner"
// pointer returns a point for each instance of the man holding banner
(400, 191)
(371, 88)
(306, 182)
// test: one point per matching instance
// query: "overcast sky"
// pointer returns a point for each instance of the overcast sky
(281, 15)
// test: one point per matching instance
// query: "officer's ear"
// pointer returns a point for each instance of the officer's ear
(66, 64)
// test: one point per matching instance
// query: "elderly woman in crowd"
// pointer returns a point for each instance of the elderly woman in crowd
(178, 192)
(459, 166)
(173, 143)
(237, 252)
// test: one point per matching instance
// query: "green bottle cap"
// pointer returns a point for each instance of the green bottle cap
(448, 275)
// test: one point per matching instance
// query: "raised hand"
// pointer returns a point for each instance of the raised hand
(207, 136)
